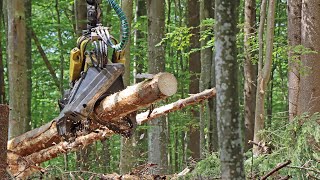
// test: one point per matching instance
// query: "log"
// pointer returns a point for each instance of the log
(82, 141)
(135, 97)
(112, 107)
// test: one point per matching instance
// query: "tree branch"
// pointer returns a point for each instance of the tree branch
(280, 166)
(45, 59)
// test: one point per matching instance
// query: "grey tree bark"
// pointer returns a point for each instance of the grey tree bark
(264, 76)
(129, 150)
(309, 89)
(294, 37)
(250, 71)
(19, 59)
(80, 11)
(193, 16)
(127, 6)
(207, 61)
(157, 134)
(228, 117)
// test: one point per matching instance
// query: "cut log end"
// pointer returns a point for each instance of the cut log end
(168, 84)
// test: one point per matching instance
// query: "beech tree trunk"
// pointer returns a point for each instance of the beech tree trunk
(309, 89)
(264, 76)
(194, 69)
(127, 7)
(157, 134)
(19, 60)
(250, 71)
(127, 156)
(294, 37)
(80, 7)
(228, 117)
(4, 122)
(207, 61)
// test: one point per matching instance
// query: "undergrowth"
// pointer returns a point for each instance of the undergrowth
(298, 141)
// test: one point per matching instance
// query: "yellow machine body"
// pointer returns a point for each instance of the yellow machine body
(80, 62)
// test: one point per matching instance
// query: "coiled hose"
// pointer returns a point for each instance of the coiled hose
(124, 26)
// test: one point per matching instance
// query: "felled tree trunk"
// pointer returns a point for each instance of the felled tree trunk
(27, 164)
(112, 108)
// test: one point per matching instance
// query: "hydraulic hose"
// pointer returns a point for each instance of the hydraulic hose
(124, 26)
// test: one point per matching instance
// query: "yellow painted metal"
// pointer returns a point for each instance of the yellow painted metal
(76, 60)
(119, 57)
(75, 64)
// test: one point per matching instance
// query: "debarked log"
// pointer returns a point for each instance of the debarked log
(112, 107)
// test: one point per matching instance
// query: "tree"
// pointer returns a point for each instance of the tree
(60, 47)
(228, 117)
(128, 151)
(206, 82)
(80, 11)
(157, 134)
(127, 6)
(264, 75)
(250, 70)
(4, 121)
(19, 62)
(309, 91)
(294, 37)
(194, 69)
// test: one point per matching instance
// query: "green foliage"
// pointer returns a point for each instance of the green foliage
(207, 168)
(298, 141)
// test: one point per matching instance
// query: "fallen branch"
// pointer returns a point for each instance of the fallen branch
(193, 99)
(280, 166)
(305, 168)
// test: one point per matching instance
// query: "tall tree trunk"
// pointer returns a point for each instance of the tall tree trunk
(57, 8)
(127, 6)
(4, 122)
(2, 85)
(206, 11)
(157, 135)
(80, 10)
(129, 146)
(309, 88)
(19, 66)
(264, 76)
(229, 123)
(80, 6)
(250, 71)
(138, 38)
(294, 37)
(194, 69)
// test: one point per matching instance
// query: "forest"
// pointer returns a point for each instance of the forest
(197, 89)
